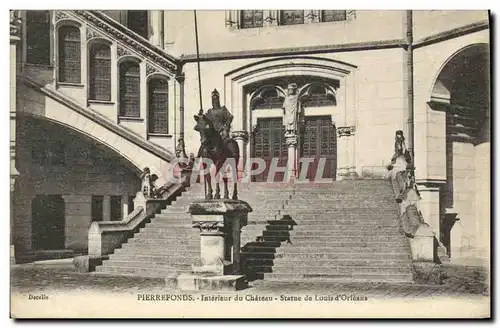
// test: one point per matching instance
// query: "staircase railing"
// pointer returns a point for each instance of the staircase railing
(105, 236)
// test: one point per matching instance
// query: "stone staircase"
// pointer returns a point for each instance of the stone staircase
(345, 231)
(168, 245)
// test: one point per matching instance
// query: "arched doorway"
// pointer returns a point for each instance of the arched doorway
(317, 139)
(48, 222)
(462, 91)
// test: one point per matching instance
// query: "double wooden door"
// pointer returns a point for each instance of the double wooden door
(317, 141)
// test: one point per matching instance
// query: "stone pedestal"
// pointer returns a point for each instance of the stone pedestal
(422, 245)
(220, 223)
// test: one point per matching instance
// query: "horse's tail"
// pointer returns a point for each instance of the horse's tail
(234, 150)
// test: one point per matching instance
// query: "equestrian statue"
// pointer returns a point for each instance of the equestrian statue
(217, 145)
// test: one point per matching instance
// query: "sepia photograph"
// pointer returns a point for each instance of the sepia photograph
(250, 163)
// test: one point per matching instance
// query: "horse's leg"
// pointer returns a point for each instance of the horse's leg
(217, 189)
(208, 182)
(226, 191)
(235, 190)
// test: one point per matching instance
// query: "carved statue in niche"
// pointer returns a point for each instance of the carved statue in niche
(291, 110)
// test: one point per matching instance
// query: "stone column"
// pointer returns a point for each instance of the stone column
(156, 35)
(429, 206)
(241, 138)
(345, 152)
(291, 142)
(106, 208)
(124, 206)
(77, 220)
(14, 40)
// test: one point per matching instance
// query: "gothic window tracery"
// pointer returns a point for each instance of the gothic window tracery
(129, 89)
(100, 72)
(69, 54)
(268, 97)
(158, 105)
(251, 18)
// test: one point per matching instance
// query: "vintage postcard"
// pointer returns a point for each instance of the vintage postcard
(250, 164)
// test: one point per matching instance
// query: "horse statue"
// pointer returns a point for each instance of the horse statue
(217, 149)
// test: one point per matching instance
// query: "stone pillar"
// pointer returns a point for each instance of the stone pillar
(429, 206)
(220, 223)
(241, 138)
(106, 208)
(77, 220)
(291, 142)
(14, 40)
(124, 206)
(345, 152)
(482, 193)
(156, 23)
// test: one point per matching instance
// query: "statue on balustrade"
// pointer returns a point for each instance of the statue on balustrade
(148, 187)
(291, 109)
(399, 165)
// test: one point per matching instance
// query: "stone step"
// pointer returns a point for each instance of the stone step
(332, 223)
(164, 241)
(140, 272)
(152, 264)
(344, 278)
(156, 258)
(145, 248)
(346, 242)
(339, 269)
(273, 247)
(398, 255)
(325, 235)
(308, 262)
(318, 229)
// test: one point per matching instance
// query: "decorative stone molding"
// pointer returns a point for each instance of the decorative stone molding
(208, 225)
(150, 69)
(291, 140)
(350, 14)
(121, 51)
(15, 23)
(91, 33)
(60, 15)
(240, 135)
(346, 131)
(143, 48)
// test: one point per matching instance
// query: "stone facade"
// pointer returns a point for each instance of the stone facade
(387, 71)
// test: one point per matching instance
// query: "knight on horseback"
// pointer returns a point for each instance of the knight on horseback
(220, 117)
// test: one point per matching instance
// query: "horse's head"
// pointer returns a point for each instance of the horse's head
(205, 127)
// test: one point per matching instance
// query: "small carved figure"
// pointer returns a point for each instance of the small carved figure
(291, 108)
(146, 187)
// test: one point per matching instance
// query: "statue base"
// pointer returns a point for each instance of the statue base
(220, 222)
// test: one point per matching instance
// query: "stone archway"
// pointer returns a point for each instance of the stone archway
(238, 96)
(461, 93)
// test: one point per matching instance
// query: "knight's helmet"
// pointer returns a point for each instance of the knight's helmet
(215, 98)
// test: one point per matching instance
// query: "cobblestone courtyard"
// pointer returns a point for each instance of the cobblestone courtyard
(460, 281)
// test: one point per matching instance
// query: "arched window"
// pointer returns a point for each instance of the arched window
(251, 18)
(38, 37)
(267, 98)
(69, 54)
(130, 84)
(318, 95)
(158, 106)
(100, 72)
(137, 21)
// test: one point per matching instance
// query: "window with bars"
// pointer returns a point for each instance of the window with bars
(291, 17)
(69, 54)
(115, 208)
(137, 21)
(100, 72)
(130, 83)
(251, 18)
(38, 37)
(97, 207)
(333, 15)
(158, 106)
